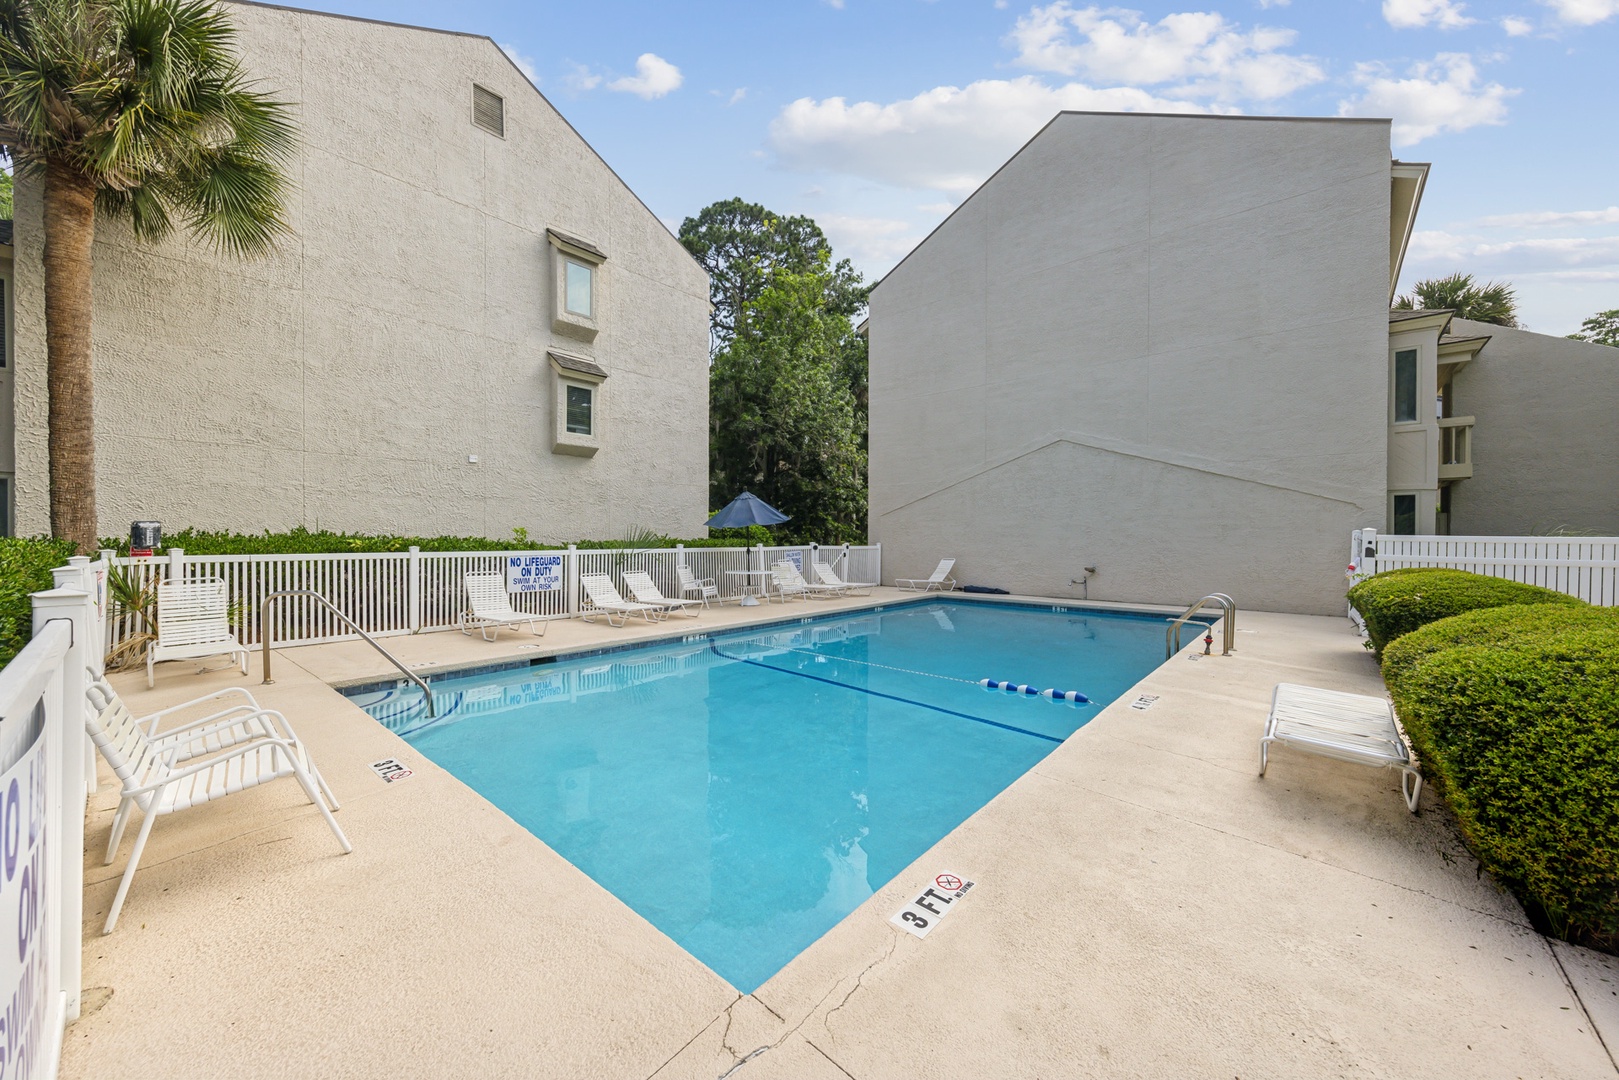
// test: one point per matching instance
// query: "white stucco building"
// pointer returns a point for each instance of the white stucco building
(474, 325)
(1153, 357)
(1153, 345)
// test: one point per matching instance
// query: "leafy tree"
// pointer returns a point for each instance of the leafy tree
(135, 109)
(1600, 329)
(1495, 302)
(783, 417)
(743, 247)
(5, 196)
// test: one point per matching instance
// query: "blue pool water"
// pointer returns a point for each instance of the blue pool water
(744, 792)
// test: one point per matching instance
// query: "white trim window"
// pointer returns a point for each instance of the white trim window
(577, 300)
(576, 421)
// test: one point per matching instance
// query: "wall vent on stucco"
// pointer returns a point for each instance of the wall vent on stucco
(489, 111)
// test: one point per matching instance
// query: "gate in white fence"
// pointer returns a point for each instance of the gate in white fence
(1582, 566)
(408, 592)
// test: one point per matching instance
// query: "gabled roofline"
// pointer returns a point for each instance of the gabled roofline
(1407, 180)
(1092, 112)
(485, 37)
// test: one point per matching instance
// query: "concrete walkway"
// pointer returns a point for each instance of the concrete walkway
(1145, 907)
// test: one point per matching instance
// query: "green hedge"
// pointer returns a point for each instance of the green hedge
(1505, 625)
(25, 567)
(301, 541)
(1399, 601)
(1520, 733)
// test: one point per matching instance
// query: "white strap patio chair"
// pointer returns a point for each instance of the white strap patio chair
(193, 623)
(829, 577)
(940, 579)
(646, 591)
(194, 763)
(705, 588)
(603, 599)
(1348, 727)
(491, 607)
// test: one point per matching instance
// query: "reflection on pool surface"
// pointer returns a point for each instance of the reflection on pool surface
(747, 791)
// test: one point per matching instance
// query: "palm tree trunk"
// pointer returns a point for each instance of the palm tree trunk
(70, 227)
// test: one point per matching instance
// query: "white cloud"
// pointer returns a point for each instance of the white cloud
(580, 79)
(1610, 216)
(1584, 254)
(1267, 4)
(1439, 95)
(946, 139)
(942, 209)
(869, 241)
(1412, 14)
(737, 95)
(1200, 53)
(1516, 27)
(1584, 12)
(525, 64)
(654, 77)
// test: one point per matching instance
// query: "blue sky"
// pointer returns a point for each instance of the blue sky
(877, 116)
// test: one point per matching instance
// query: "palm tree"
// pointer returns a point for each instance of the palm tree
(1495, 302)
(135, 109)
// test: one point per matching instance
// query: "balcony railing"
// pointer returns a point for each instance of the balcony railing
(1455, 447)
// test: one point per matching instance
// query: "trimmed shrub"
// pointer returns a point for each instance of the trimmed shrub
(25, 567)
(1397, 602)
(1490, 626)
(1521, 735)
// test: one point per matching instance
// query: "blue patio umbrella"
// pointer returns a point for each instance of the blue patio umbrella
(744, 510)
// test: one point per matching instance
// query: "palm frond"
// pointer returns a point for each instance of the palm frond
(148, 101)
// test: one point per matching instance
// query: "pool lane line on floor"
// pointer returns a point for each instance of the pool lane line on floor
(877, 693)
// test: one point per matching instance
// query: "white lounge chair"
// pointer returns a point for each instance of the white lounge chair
(829, 577)
(199, 761)
(790, 583)
(492, 608)
(646, 591)
(604, 599)
(193, 623)
(705, 588)
(940, 579)
(1348, 727)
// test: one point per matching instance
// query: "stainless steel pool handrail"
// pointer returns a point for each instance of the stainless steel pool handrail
(1228, 607)
(264, 639)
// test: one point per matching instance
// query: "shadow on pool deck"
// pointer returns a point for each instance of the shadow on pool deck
(1146, 906)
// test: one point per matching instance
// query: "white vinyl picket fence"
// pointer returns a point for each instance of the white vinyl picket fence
(1582, 566)
(410, 592)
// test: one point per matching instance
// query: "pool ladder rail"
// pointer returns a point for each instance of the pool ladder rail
(264, 639)
(1172, 633)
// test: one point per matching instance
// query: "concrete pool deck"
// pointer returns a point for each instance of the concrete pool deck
(1145, 906)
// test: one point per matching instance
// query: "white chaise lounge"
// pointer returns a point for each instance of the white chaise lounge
(790, 583)
(940, 579)
(193, 623)
(603, 599)
(491, 607)
(829, 578)
(1348, 727)
(199, 761)
(646, 591)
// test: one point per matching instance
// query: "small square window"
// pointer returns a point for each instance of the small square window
(578, 288)
(579, 400)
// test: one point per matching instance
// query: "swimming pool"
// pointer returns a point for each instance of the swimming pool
(744, 791)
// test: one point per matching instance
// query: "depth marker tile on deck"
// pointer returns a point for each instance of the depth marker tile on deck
(922, 914)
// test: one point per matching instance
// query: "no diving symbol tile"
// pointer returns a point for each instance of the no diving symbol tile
(1144, 702)
(391, 770)
(922, 914)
